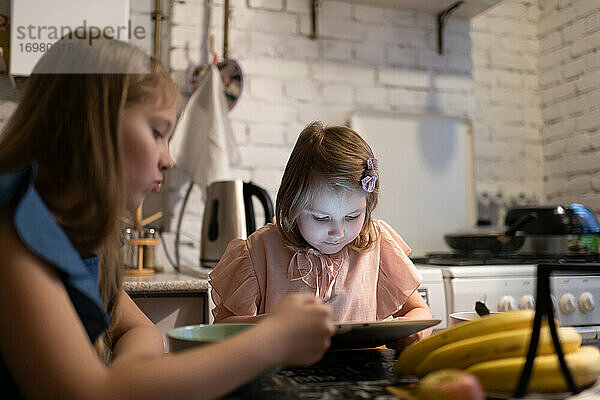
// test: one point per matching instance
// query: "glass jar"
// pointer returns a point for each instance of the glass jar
(149, 249)
(129, 251)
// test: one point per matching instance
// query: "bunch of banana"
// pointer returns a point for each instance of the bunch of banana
(415, 353)
(503, 375)
(503, 344)
(494, 348)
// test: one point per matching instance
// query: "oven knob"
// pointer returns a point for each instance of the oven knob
(527, 302)
(566, 304)
(507, 303)
(586, 302)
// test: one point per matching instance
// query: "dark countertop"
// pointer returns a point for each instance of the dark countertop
(349, 375)
(343, 374)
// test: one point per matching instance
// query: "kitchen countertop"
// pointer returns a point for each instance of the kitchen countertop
(187, 281)
(344, 374)
(349, 375)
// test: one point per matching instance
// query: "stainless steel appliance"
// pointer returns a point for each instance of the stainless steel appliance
(561, 229)
(229, 214)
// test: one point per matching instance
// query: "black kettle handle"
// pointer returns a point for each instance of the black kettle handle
(520, 222)
(250, 189)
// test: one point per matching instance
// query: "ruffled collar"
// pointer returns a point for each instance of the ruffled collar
(319, 271)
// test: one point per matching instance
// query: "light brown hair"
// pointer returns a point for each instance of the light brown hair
(336, 154)
(67, 123)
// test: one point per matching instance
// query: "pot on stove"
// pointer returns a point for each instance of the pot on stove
(560, 229)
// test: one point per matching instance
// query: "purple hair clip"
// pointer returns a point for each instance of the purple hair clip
(372, 163)
(370, 179)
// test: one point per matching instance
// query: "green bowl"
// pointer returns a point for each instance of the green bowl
(187, 337)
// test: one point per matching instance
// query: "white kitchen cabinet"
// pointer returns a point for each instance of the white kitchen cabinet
(171, 299)
(168, 311)
(35, 25)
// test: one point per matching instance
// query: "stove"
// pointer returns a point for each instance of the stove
(507, 282)
(487, 258)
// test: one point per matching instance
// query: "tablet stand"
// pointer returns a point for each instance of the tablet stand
(544, 308)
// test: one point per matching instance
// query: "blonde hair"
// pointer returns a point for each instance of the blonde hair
(336, 154)
(68, 123)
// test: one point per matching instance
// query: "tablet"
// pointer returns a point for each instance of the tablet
(356, 335)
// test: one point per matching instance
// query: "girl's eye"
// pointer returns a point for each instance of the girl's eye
(156, 134)
(352, 217)
(320, 219)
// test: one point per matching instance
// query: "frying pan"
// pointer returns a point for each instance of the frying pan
(491, 240)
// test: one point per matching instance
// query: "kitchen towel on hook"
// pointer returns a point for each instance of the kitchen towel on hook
(203, 144)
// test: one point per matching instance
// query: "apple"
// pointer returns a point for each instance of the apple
(450, 384)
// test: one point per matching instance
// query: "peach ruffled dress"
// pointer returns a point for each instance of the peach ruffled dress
(255, 274)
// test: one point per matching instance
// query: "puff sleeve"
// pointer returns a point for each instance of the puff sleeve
(398, 277)
(235, 288)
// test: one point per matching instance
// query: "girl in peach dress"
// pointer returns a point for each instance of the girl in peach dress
(324, 241)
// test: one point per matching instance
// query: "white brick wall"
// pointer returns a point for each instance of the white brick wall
(507, 123)
(570, 100)
(140, 16)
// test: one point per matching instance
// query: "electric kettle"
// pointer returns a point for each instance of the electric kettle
(229, 214)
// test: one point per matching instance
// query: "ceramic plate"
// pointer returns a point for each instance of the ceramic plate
(356, 335)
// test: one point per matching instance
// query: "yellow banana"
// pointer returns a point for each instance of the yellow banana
(503, 375)
(415, 353)
(504, 344)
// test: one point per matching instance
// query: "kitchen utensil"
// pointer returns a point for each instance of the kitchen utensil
(562, 229)
(229, 214)
(489, 239)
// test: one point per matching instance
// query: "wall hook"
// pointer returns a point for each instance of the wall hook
(441, 22)
(314, 5)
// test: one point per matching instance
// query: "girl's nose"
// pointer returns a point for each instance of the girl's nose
(336, 230)
(165, 161)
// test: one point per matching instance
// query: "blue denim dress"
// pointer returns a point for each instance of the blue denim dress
(42, 235)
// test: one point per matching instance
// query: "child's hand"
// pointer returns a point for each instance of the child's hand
(305, 328)
(401, 343)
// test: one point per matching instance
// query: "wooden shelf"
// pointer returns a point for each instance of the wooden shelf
(143, 242)
(469, 9)
(138, 272)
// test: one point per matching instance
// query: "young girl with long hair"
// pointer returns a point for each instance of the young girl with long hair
(88, 140)
(325, 241)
